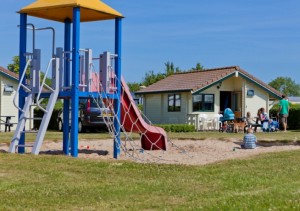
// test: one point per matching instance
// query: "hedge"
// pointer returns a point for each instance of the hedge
(293, 118)
(53, 124)
(178, 128)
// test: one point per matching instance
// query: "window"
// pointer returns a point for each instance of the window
(174, 102)
(203, 102)
(8, 88)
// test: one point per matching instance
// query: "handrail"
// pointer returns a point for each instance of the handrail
(39, 29)
(42, 85)
(53, 36)
(33, 33)
(21, 84)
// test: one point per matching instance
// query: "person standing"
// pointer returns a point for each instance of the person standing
(284, 112)
(257, 119)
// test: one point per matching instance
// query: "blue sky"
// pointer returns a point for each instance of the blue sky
(262, 37)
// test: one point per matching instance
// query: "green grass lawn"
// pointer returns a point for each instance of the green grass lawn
(45, 182)
(268, 182)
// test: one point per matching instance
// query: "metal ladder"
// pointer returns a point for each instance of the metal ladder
(32, 99)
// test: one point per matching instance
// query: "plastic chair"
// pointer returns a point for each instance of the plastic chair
(217, 121)
(204, 122)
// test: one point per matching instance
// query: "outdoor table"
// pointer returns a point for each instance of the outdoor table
(6, 122)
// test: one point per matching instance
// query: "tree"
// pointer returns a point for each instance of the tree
(198, 67)
(151, 78)
(133, 87)
(14, 67)
(170, 69)
(286, 86)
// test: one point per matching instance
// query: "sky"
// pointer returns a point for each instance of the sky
(260, 36)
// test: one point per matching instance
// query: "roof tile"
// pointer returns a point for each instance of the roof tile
(9, 73)
(195, 80)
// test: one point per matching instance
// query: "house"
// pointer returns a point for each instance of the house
(8, 85)
(178, 97)
(294, 100)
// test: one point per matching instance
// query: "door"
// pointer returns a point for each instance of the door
(225, 100)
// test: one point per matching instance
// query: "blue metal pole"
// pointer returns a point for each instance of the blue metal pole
(66, 108)
(22, 57)
(75, 82)
(118, 34)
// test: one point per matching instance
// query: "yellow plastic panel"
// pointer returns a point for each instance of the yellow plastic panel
(60, 10)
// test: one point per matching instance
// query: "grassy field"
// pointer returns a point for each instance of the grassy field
(268, 182)
(44, 182)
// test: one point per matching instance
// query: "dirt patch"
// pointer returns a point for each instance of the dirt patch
(189, 152)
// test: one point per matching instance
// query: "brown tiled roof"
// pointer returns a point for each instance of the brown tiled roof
(200, 80)
(9, 73)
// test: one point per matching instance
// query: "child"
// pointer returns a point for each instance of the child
(250, 121)
(249, 140)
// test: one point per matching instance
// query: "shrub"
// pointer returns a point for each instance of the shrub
(178, 128)
(53, 124)
(294, 115)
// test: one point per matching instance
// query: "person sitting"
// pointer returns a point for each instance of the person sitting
(249, 119)
(264, 118)
(273, 125)
(249, 141)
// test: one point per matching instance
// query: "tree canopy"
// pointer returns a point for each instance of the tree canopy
(151, 77)
(286, 85)
(14, 67)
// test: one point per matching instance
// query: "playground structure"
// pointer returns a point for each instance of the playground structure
(75, 75)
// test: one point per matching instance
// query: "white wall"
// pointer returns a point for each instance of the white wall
(179, 117)
(260, 98)
(156, 108)
(156, 105)
(212, 90)
(6, 103)
(153, 107)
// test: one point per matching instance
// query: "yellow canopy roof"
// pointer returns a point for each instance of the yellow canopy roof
(60, 10)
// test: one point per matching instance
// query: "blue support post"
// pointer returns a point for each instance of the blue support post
(66, 108)
(118, 34)
(75, 82)
(22, 56)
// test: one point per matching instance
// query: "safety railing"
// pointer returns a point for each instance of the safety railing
(21, 85)
(43, 84)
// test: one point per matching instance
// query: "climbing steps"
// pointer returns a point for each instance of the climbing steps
(34, 92)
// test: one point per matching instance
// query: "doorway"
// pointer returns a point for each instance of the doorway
(232, 100)
(225, 100)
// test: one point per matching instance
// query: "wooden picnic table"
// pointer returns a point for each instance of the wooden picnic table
(6, 122)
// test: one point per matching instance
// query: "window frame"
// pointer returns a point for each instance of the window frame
(203, 103)
(174, 102)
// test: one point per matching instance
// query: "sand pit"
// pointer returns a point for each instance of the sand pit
(188, 152)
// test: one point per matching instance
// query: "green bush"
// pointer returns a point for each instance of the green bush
(53, 124)
(178, 128)
(294, 115)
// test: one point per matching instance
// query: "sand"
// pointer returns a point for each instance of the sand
(187, 152)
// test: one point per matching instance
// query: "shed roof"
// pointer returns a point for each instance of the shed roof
(9, 74)
(197, 81)
(60, 10)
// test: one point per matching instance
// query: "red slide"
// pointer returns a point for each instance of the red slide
(152, 137)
